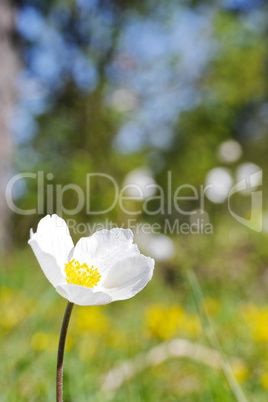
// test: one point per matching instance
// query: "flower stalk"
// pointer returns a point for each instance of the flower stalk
(63, 333)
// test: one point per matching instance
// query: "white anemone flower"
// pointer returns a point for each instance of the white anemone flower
(100, 269)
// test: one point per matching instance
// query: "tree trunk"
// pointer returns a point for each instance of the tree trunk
(8, 73)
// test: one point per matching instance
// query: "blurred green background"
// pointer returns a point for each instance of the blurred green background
(168, 94)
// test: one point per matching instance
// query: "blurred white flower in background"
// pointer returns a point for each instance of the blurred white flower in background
(160, 246)
(220, 182)
(124, 100)
(229, 151)
(251, 173)
(140, 182)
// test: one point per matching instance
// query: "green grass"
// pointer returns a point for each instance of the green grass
(100, 338)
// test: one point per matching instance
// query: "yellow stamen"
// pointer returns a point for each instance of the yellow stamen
(82, 275)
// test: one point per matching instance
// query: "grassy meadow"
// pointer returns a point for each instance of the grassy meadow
(221, 329)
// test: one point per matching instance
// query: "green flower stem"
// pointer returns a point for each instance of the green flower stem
(63, 333)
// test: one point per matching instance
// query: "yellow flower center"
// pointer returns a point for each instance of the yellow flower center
(82, 275)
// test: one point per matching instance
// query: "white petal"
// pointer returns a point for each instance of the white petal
(52, 245)
(128, 277)
(85, 250)
(48, 264)
(105, 247)
(83, 296)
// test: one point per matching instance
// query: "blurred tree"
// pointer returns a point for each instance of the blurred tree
(76, 134)
(85, 51)
(232, 104)
(8, 71)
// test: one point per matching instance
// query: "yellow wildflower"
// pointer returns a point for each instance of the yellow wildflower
(14, 308)
(166, 322)
(191, 326)
(91, 320)
(257, 320)
(211, 306)
(46, 341)
(163, 321)
(240, 371)
(264, 380)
